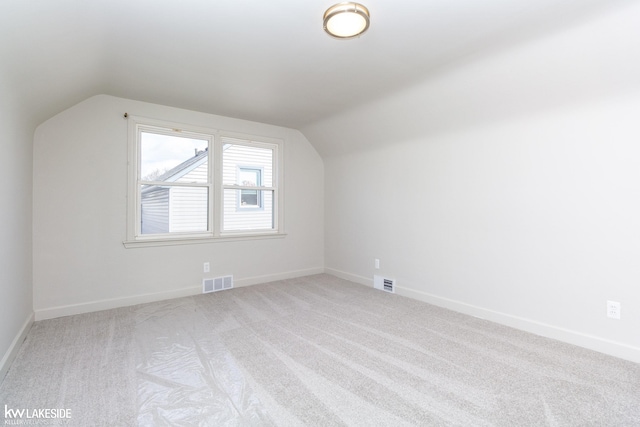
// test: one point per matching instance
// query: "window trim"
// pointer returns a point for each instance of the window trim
(215, 185)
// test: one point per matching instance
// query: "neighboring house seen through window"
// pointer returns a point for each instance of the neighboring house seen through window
(174, 184)
(189, 183)
(248, 180)
(249, 199)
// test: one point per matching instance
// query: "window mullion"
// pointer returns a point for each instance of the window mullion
(218, 191)
(174, 184)
(247, 187)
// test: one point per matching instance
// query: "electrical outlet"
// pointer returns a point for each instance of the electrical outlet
(613, 309)
(377, 263)
(207, 267)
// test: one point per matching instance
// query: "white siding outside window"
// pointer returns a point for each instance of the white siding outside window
(237, 156)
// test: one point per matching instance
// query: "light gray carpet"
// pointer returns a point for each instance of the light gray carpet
(315, 351)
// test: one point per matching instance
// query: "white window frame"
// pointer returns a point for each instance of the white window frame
(215, 186)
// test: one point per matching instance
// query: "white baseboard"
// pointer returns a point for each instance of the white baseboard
(591, 342)
(367, 281)
(248, 281)
(107, 304)
(12, 351)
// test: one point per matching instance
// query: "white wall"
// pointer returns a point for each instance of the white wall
(79, 222)
(508, 187)
(16, 307)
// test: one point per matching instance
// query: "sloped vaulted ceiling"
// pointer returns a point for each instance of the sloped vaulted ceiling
(266, 61)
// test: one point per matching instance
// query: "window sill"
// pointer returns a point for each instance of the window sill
(168, 241)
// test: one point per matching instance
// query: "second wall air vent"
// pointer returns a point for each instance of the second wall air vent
(384, 284)
(217, 284)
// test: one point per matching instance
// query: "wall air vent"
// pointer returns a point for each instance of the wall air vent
(207, 285)
(384, 284)
(217, 284)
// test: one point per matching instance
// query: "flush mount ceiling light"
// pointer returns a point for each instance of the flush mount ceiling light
(346, 20)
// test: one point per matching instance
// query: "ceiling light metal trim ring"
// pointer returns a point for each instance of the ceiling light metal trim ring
(347, 7)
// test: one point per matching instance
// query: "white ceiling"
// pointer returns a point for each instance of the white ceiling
(267, 61)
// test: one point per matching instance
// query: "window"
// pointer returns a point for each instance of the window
(249, 189)
(191, 184)
(175, 182)
(250, 199)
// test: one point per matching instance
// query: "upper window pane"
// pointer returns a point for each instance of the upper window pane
(173, 158)
(256, 164)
